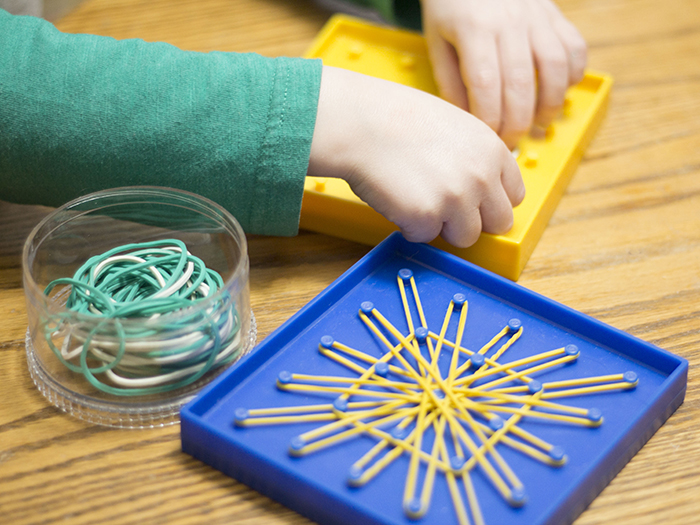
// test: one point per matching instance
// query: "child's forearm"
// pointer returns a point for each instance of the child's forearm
(80, 113)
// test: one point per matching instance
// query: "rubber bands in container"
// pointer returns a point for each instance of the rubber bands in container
(136, 298)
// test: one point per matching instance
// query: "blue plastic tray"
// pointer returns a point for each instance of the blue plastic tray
(316, 485)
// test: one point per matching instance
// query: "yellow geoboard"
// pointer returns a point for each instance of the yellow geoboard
(547, 164)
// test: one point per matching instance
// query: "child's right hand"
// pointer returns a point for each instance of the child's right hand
(426, 165)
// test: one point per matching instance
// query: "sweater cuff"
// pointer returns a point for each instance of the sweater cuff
(284, 156)
(407, 13)
(401, 12)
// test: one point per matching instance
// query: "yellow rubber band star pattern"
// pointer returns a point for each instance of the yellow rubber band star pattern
(446, 419)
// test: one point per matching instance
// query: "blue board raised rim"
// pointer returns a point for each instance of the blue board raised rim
(208, 444)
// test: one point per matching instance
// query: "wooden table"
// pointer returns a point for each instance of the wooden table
(623, 247)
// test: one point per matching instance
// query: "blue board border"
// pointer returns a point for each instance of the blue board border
(214, 445)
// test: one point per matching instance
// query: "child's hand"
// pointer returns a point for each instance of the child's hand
(426, 165)
(484, 55)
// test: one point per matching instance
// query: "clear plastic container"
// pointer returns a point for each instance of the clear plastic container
(64, 347)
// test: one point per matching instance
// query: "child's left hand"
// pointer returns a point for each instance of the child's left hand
(485, 53)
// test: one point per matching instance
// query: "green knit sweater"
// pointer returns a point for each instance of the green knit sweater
(80, 113)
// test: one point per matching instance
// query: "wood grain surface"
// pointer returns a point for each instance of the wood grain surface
(623, 247)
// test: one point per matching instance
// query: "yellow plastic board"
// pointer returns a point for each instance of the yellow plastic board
(546, 164)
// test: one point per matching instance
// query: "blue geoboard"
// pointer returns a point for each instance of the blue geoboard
(419, 388)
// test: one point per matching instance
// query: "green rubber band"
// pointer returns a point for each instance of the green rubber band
(115, 322)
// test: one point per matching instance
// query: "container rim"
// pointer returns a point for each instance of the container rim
(219, 215)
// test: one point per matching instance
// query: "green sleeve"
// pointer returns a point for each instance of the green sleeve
(79, 113)
(401, 12)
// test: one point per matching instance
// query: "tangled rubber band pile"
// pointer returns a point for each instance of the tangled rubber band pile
(134, 322)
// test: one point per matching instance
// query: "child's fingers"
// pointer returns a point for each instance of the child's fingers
(496, 212)
(482, 76)
(518, 74)
(553, 72)
(419, 228)
(575, 47)
(492, 212)
(462, 229)
(571, 39)
(446, 71)
(512, 180)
